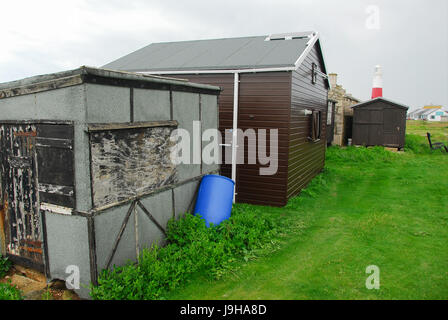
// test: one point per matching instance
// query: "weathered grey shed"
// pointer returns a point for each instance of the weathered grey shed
(379, 122)
(86, 178)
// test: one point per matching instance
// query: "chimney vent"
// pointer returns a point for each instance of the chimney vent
(333, 79)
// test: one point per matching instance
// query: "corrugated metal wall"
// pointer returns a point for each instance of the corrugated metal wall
(264, 103)
(306, 158)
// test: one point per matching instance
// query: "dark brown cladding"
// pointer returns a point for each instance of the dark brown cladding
(274, 100)
(306, 159)
(379, 122)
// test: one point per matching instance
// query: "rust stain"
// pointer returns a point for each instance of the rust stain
(25, 134)
(30, 249)
(32, 242)
(3, 210)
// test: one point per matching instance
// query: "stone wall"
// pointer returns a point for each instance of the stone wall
(343, 103)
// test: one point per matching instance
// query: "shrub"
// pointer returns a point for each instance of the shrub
(5, 265)
(418, 145)
(9, 292)
(192, 248)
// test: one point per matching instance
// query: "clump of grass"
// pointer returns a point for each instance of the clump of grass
(47, 295)
(318, 185)
(418, 145)
(359, 154)
(5, 265)
(192, 249)
(10, 292)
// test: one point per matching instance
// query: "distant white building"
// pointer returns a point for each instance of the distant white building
(429, 113)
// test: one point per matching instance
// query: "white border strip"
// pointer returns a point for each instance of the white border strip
(55, 209)
(292, 68)
(236, 83)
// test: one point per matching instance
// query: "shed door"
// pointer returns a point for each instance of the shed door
(393, 127)
(20, 218)
(36, 170)
(376, 128)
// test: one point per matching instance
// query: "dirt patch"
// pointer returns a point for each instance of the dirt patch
(34, 286)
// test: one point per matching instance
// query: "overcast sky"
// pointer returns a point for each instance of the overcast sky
(411, 42)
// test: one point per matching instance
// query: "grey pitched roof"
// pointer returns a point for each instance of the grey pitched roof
(216, 54)
(365, 103)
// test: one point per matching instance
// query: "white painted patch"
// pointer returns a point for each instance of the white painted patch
(55, 209)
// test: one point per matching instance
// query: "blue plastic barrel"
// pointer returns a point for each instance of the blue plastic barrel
(215, 198)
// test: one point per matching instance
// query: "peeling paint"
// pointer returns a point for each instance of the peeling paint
(129, 162)
(20, 217)
(55, 208)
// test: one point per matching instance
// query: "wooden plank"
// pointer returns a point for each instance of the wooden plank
(127, 162)
(18, 162)
(55, 166)
(21, 219)
(120, 234)
(93, 127)
(55, 161)
(42, 86)
(92, 250)
(61, 190)
(54, 143)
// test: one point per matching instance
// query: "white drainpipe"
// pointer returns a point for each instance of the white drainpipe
(235, 128)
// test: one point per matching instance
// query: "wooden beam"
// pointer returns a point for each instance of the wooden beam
(41, 86)
(120, 234)
(150, 216)
(131, 125)
(92, 250)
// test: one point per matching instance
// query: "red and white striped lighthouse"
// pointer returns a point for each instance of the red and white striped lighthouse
(377, 90)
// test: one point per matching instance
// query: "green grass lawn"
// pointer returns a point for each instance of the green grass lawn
(438, 130)
(369, 207)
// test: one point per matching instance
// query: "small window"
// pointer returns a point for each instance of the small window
(316, 126)
(314, 73)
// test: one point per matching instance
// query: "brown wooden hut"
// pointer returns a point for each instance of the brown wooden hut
(379, 122)
(268, 82)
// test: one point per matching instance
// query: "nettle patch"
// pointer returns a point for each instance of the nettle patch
(5, 265)
(10, 292)
(192, 249)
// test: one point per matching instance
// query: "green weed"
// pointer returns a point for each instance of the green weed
(192, 248)
(5, 265)
(9, 292)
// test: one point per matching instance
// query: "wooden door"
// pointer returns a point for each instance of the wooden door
(21, 226)
(394, 127)
(36, 176)
(375, 128)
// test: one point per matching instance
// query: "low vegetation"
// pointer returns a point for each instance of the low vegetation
(5, 265)
(368, 207)
(438, 130)
(192, 249)
(10, 292)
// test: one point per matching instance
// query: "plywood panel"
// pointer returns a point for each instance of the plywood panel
(129, 162)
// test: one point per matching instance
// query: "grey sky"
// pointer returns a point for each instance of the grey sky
(412, 42)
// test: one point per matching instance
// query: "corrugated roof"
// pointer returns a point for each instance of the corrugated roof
(215, 54)
(365, 103)
(418, 113)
